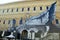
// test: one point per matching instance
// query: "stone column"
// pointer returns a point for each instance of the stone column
(31, 35)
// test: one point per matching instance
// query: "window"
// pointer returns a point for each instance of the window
(40, 8)
(22, 9)
(7, 10)
(14, 21)
(12, 10)
(3, 11)
(34, 8)
(9, 22)
(17, 10)
(28, 9)
(47, 7)
(57, 22)
(4, 22)
(21, 21)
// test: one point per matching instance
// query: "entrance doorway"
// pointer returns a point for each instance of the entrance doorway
(24, 34)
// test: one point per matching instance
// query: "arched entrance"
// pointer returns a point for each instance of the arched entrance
(24, 33)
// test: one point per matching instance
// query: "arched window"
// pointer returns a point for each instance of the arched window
(14, 21)
(21, 21)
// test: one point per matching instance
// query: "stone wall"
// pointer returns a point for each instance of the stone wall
(51, 36)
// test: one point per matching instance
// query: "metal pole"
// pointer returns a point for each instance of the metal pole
(31, 35)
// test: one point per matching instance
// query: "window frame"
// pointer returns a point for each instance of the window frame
(57, 21)
(9, 22)
(4, 22)
(12, 10)
(7, 10)
(47, 7)
(3, 10)
(34, 8)
(40, 7)
(28, 8)
(17, 10)
(22, 9)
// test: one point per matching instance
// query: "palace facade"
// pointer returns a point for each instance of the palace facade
(21, 11)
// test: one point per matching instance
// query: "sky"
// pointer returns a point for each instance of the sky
(8, 1)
